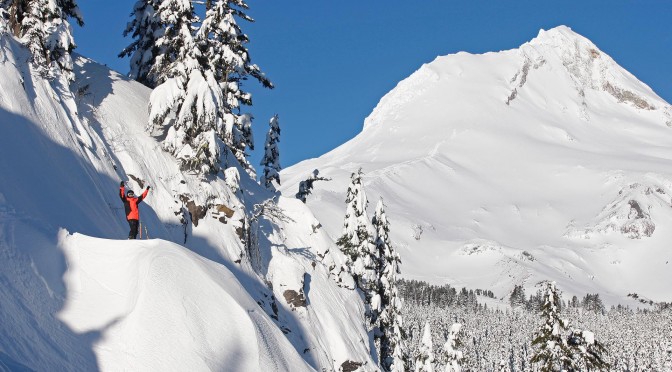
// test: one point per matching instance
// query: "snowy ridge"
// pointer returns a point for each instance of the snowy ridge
(87, 300)
(495, 168)
(147, 295)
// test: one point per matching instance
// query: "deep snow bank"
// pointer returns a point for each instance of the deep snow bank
(162, 308)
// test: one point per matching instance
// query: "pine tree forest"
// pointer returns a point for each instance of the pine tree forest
(499, 337)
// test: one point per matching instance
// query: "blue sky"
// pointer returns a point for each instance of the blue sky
(332, 61)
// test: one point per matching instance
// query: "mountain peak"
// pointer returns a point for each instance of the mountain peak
(559, 36)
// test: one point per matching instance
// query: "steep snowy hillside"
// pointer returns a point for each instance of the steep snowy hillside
(549, 161)
(228, 281)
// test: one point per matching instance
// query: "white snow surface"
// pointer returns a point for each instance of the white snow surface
(76, 295)
(549, 161)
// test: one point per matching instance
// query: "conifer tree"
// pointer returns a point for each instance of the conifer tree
(188, 99)
(424, 360)
(198, 97)
(355, 241)
(145, 28)
(4, 17)
(44, 28)
(453, 356)
(588, 353)
(551, 350)
(271, 160)
(668, 358)
(387, 315)
(517, 298)
(223, 44)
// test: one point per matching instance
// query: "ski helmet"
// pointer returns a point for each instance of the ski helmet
(130, 193)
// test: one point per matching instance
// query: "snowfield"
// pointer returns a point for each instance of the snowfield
(549, 161)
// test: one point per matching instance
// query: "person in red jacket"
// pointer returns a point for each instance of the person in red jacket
(131, 206)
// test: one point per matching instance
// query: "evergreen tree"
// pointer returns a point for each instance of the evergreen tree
(355, 241)
(424, 360)
(198, 99)
(223, 44)
(145, 28)
(188, 99)
(453, 356)
(551, 350)
(44, 28)
(389, 337)
(517, 298)
(4, 17)
(668, 358)
(592, 302)
(271, 160)
(306, 186)
(588, 353)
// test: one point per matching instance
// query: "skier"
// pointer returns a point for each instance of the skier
(131, 206)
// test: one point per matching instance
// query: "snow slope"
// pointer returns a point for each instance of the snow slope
(75, 295)
(162, 307)
(549, 161)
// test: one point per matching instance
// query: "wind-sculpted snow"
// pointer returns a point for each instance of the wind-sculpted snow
(162, 307)
(531, 150)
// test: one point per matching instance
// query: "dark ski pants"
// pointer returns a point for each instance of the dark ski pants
(133, 234)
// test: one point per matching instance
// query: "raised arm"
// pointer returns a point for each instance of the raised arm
(144, 194)
(122, 190)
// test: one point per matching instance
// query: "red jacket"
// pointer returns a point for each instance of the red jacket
(131, 204)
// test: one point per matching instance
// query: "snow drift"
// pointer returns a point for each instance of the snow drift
(549, 161)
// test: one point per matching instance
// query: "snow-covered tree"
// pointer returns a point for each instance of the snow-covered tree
(4, 21)
(188, 100)
(588, 353)
(43, 27)
(355, 241)
(667, 364)
(453, 356)
(517, 297)
(387, 315)
(145, 28)
(424, 359)
(271, 160)
(223, 44)
(551, 350)
(198, 99)
(306, 186)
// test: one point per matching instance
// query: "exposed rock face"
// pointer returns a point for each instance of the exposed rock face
(629, 213)
(350, 366)
(294, 298)
(623, 95)
(196, 212)
(222, 213)
(639, 223)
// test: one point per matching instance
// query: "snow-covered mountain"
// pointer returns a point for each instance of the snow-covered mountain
(76, 295)
(549, 161)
